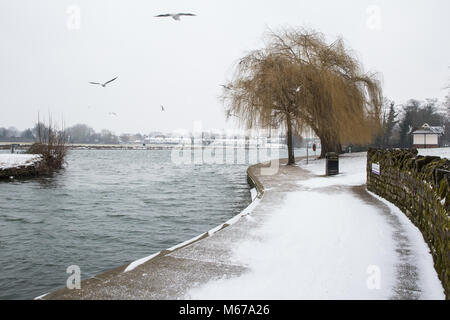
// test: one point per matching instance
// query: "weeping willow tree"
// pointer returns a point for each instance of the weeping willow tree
(262, 91)
(299, 80)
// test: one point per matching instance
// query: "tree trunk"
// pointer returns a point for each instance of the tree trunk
(328, 144)
(291, 159)
(324, 147)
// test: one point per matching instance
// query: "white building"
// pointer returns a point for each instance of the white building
(427, 136)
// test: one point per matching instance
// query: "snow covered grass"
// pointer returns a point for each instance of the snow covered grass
(321, 245)
(8, 161)
(440, 152)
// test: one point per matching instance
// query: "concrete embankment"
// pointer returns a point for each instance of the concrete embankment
(305, 236)
(171, 273)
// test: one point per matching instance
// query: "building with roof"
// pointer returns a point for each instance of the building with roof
(427, 136)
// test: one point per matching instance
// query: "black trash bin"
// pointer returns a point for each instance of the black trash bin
(332, 163)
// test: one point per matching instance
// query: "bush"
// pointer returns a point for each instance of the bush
(51, 145)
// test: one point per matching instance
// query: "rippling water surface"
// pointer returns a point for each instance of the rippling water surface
(108, 208)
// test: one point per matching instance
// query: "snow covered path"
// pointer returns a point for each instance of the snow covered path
(331, 239)
(309, 237)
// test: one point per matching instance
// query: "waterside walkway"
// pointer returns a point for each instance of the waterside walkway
(174, 273)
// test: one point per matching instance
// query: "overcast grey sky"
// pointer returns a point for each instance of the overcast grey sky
(46, 61)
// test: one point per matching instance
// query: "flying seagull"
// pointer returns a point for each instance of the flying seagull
(113, 114)
(103, 84)
(162, 108)
(175, 16)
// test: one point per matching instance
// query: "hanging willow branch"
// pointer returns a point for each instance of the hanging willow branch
(299, 79)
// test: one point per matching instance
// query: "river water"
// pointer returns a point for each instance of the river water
(108, 208)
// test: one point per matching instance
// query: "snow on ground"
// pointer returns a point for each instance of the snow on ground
(325, 245)
(312, 252)
(16, 160)
(440, 152)
(429, 280)
(352, 169)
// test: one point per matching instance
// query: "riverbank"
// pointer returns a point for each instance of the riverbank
(230, 144)
(24, 146)
(19, 165)
(305, 237)
(171, 273)
(105, 208)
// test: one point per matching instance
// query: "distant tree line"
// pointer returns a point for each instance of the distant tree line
(12, 133)
(79, 133)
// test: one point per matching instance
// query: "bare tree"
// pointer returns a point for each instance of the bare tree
(299, 80)
(50, 144)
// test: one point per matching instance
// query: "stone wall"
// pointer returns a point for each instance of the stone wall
(416, 185)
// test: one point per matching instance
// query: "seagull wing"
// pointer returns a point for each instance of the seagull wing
(110, 81)
(163, 15)
(186, 14)
(95, 83)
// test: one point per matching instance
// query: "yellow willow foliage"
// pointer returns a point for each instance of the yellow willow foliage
(299, 78)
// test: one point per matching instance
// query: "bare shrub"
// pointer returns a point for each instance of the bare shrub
(50, 144)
